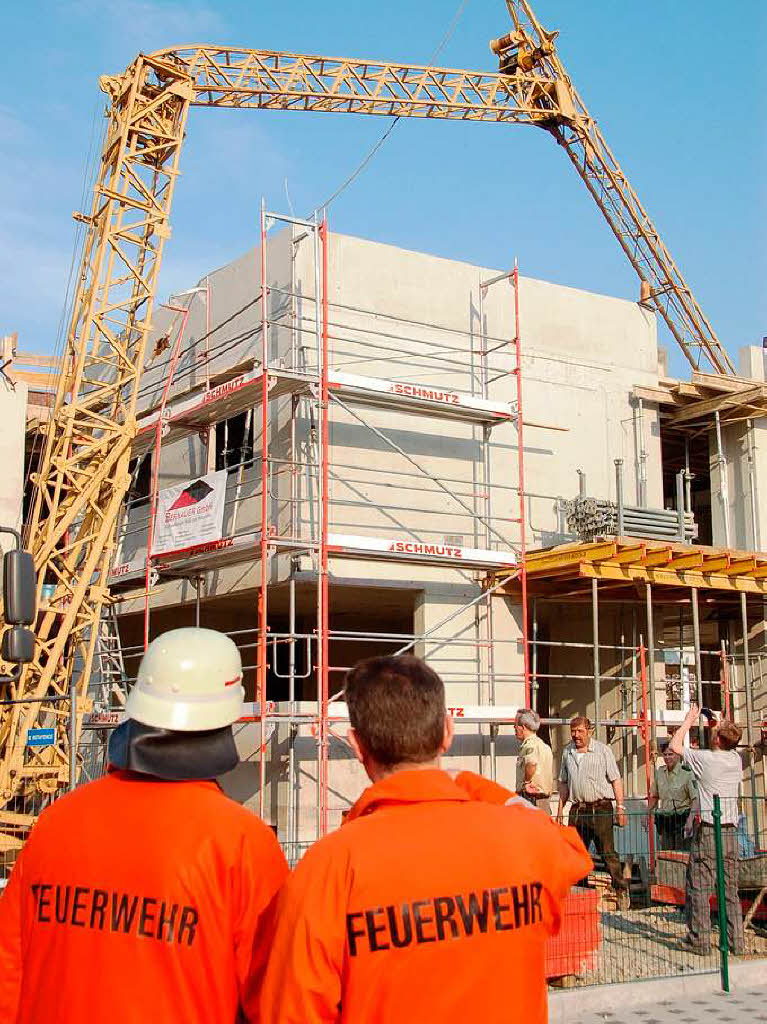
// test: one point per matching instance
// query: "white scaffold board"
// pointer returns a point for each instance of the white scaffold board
(246, 390)
(400, 549)
(408, 548)
(427, 397)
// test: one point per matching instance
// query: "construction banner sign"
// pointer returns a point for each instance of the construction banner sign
(189, 514)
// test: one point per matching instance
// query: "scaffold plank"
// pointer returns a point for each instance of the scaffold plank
(202, 408)
(244, 546)
(669, 578)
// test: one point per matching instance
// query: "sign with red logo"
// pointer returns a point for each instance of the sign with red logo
(189, 514)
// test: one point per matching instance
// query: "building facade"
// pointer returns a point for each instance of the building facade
(382, 449)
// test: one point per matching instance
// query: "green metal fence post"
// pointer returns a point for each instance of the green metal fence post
(721, 906)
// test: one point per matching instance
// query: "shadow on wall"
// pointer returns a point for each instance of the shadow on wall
(242, 783)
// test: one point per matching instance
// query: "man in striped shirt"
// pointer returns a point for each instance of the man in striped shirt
(589, 779)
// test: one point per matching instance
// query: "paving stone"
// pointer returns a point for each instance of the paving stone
(744, 1006)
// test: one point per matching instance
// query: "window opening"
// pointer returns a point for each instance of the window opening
(234, 441)
(140, 470)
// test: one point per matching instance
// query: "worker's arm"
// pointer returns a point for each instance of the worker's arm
(307, 941)
(530, 767)
(614, 778)
(262, 873)
(620, 807)
(677, 740)
(564, 787)
(564, 793)
(564, 861)
(692, 789)
(10, 944)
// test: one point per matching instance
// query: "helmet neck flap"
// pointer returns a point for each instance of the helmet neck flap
(171, 755)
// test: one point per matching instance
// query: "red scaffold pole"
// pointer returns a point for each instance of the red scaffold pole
(261, 660)
(646, 739)
(156, 462)
(323, 592)
(521, 487)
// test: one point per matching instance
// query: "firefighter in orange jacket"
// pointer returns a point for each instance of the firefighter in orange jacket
(427, 904)
(143, 896)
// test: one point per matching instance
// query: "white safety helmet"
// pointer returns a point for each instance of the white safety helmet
(189, 680)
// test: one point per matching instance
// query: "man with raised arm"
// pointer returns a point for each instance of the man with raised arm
(427, 904)
(717, 771)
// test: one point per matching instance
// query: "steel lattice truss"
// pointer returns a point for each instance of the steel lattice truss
(543, 96)
(83, 475)
(287, 81)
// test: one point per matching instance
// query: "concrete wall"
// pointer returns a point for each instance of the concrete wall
(582, 355)
(744, 449)
(411, 317)
(738, 485)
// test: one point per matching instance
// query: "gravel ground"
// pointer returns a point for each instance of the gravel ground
(646, 944)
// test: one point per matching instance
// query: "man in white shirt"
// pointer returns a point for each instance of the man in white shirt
(589, 779)
(718, 771)
(535, 761)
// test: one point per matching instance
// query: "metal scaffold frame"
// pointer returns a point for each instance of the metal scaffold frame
(320, 390)
(319, 386)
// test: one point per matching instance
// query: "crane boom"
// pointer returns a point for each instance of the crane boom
(83, 474)
(532, 88)
(531, 47)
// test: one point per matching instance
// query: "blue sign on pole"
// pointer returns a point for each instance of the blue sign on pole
(40, 737)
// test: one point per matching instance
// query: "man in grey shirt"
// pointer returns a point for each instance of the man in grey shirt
(589, 778)
(717, 771)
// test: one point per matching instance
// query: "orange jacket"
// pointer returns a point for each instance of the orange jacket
(136, 900)
(427, 905)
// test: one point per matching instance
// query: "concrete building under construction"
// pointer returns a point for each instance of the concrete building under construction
(489, 470)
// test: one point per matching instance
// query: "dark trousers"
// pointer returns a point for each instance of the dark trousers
(701, 884)
(594, 823)
(543, 803)
(671, 830)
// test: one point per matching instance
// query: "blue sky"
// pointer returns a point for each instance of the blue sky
(676, 86)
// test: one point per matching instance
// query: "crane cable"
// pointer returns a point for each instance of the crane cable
(376, 146)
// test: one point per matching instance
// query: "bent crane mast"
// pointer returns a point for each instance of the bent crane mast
(83, 474)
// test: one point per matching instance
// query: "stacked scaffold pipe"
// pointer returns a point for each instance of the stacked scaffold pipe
(594, 517)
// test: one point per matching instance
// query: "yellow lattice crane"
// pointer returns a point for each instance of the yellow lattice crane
(83, 473)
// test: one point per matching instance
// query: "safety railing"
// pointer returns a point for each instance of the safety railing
(668, 896)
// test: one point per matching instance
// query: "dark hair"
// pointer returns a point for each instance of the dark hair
(397, 708)
(581, 720)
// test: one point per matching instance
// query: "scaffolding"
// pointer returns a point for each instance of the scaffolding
(677, 580)
(303, 378)
(295, 501)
